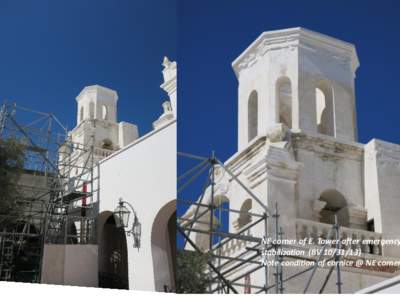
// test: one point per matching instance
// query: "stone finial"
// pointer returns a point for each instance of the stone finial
(166, 117)
(169, 84)
(169, 71)
(166, 62)
(167, 107)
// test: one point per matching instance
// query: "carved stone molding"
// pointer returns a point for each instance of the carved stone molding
(327, 147)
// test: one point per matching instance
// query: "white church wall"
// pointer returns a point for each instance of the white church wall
(382, 189)
(143, 174)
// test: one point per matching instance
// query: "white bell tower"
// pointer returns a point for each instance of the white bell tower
(299, 78)
(97, 102)
(97, 122)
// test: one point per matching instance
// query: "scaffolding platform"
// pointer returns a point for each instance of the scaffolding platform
(227, 272)
(44, 212)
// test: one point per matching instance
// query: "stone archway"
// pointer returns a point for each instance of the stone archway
(113, 253)
(163, 247)
(334, 204)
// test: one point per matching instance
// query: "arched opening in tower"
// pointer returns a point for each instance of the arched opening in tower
(104, 112)
(252, 116)
(244, 215)
(81, 114)
(324, 109)
(284, 93)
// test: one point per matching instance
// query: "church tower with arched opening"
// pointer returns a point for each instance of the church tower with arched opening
(97, 129)
(298, 149)
(300, 79)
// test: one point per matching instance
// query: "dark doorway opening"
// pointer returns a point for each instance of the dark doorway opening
(113, 256)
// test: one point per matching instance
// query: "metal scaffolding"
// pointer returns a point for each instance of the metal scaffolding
(225, 271)
(56, 187)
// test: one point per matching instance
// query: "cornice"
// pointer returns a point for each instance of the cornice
(241, 158)
(294, 38)
(97, 89)
(328, 147)
(386, 153)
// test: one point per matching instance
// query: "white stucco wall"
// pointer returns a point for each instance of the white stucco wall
(382, 189)
(143, 174)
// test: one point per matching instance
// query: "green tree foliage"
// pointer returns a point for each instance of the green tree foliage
(11, 166)
(190, 278)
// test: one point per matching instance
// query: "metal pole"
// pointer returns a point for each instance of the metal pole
(192, 179)
(280, 262)
(317, 261)
(211, 208)
(326, 280)
(226, 282)
(276, 250)
(219, 242)
(265, 253)
(198, 207)
(192, 170)
(192, 156)
(337, 258)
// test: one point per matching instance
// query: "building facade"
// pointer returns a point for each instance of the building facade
(113, 165)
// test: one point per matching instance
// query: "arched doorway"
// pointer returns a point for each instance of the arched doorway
(113, 256)
(163, 248)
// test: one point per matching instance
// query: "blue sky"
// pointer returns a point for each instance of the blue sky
(213, 33)
(50, 50)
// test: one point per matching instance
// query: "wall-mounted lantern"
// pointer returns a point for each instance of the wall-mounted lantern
(122, 215)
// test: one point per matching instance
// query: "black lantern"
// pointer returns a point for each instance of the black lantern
(121, 215)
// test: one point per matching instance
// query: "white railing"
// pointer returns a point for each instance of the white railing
(367, 240)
